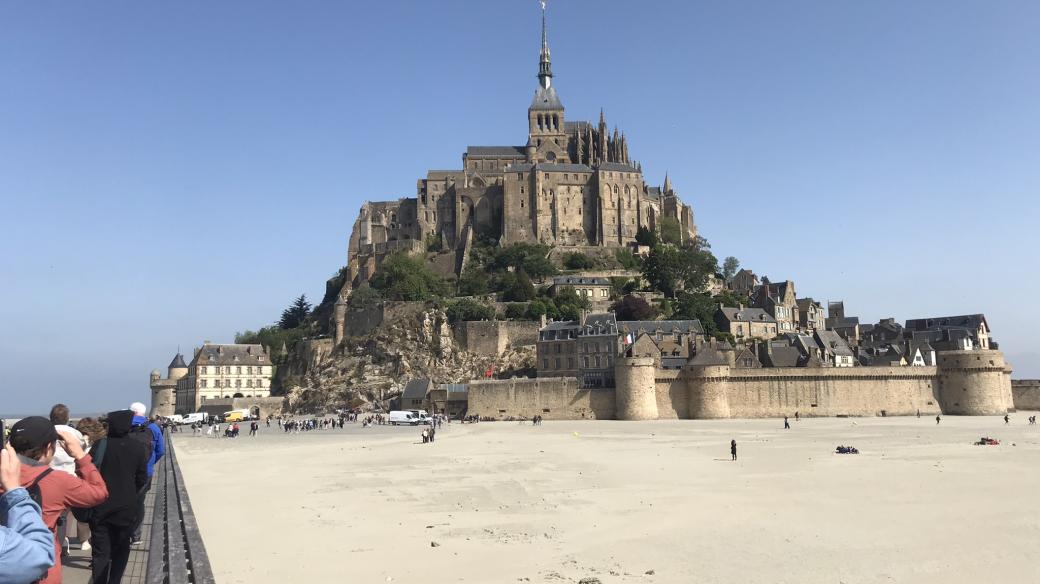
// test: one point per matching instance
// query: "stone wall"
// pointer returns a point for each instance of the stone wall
(964, 383)
(1026, 393)
(859, 391)
(555, 398)
(492, 338)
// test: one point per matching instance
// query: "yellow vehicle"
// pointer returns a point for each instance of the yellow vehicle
(234, 417)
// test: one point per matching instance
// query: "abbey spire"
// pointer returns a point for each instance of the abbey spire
(545, 61)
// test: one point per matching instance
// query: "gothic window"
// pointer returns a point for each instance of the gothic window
(616, 190)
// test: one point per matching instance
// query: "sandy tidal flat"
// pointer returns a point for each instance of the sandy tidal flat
(624, 502)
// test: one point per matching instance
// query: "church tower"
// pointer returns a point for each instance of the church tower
(547, 139)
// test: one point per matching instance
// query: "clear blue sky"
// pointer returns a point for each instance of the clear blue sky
(177, 171)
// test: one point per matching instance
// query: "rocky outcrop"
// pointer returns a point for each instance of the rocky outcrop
(368, 371)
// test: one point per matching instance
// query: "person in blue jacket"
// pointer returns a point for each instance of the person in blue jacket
(158, 450)
(26, 544)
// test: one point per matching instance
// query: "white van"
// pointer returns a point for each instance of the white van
(398, 418)
(199, 417)
(422, 416)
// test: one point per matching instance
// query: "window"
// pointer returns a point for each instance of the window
(545, 363)
(202, 383)
(249, 370)
(238, 383)
(597, 361)
(249, 383)
(570, 362)
(238, 370)
(557, 363)
(585, 362)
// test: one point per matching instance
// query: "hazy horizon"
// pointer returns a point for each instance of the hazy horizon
(180, 172)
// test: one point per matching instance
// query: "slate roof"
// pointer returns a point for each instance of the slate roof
(178, 362)
(833, 342)
(617, 167)
(552, 167)
(232, 355)
(600, 324)
(746, 315)
(547, 99)
(495, 151)
(580, 281)
(966, 321)
(416, 389)
(708, 355)
(783, 356)
(653, 192)
(665, 326)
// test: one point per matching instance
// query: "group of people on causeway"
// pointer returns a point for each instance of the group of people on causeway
(87, 483)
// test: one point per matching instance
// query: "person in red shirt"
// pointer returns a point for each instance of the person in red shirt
(35, 440)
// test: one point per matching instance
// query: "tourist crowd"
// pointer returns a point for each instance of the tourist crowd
(95, 475)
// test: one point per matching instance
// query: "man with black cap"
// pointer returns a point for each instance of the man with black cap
(124, 466)
(35, 440)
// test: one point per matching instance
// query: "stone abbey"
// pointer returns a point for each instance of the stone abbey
(573, 184)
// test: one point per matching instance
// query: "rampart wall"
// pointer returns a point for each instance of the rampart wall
(1026, 394)
(963, 383)
(494, 337)
(553, 398)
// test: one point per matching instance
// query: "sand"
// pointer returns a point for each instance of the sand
(624, 502)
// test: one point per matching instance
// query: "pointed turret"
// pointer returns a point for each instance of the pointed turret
(667, 184)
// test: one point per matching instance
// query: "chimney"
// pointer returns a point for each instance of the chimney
(583, 316)
(543, 321)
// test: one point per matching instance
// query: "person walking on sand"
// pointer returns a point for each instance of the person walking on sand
(796, 418)
(733, 449)
(787, 424)
(937, 419)
(1007, 420)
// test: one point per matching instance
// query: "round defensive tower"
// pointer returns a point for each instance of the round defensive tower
(177, 369)
(974, 383)
(636, 388)
(709, 391)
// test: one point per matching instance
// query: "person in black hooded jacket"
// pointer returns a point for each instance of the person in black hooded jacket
(124, 466)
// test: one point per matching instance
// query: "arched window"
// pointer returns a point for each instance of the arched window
(616, 190)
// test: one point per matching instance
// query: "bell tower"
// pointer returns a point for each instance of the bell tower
(547, 140)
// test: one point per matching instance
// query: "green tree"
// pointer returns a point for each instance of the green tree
(729, 299)
(516, 311)
(515, 287)
(671, 230)
(646, 236)
(473, 282)
(465, 309)
(578, 261)
(364, 296)
(633, 308)
(669, 268)
(536, 309)
(531, 258)
(699, 306)
(296, 314)
(434, 243)
(626, 258)
(729, 267)
(567, 296)
(404, 277)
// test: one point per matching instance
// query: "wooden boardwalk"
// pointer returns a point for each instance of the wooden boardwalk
(178, 555)
(76, 569)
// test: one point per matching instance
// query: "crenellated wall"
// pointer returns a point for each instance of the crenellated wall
(963, 383)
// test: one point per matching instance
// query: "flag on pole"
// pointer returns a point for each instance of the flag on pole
(490, 370)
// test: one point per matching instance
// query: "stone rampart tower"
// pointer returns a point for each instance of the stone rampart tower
(708, 387)
(636, 388)
(974, 383)
(164, 391)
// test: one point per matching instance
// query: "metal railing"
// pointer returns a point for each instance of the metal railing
(176, 554)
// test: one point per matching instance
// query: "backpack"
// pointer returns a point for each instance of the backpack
(143, 434)
(34, 489)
